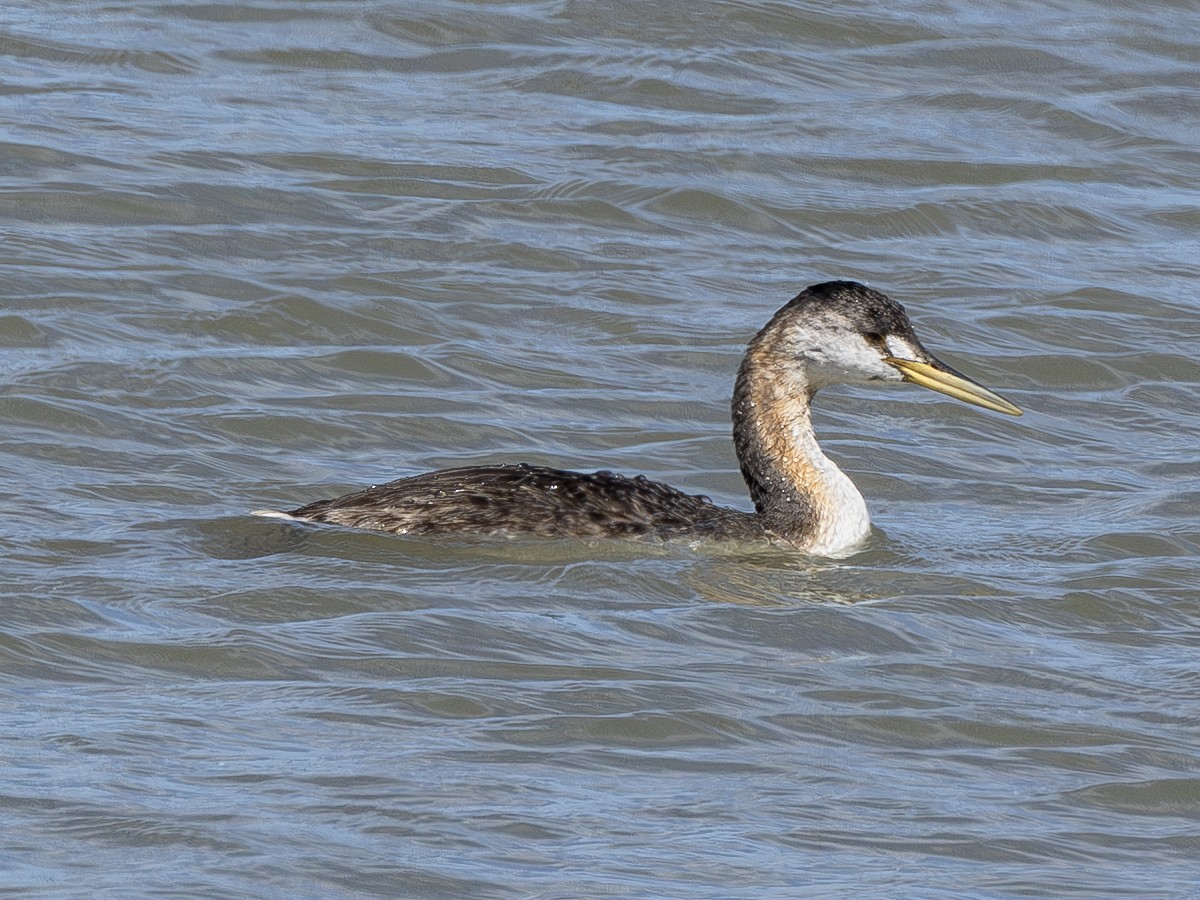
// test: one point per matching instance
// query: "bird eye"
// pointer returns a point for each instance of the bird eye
(875, 339)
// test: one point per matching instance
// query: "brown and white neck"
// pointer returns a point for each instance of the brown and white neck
(800, 493)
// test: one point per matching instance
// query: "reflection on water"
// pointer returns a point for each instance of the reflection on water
(259, 254)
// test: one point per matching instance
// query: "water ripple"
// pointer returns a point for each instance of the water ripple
(259, 253)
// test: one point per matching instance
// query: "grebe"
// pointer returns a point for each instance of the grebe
(831, 333)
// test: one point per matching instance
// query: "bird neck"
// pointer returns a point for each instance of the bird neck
(800, 494)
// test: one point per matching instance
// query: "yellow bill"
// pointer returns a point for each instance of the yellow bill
(937, 376)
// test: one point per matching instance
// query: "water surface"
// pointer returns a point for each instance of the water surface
(257, 254)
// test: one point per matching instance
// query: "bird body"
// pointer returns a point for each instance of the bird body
(533, 500)
(836, 332)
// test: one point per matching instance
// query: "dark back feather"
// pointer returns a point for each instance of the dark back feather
(532, 500)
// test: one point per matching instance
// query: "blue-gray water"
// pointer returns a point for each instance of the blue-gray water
(258, 254)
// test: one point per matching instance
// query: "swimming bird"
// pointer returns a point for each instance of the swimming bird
(832, 333)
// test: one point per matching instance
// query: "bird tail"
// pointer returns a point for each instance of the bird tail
(273, 514)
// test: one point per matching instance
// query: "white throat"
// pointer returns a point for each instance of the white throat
(842, 520)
